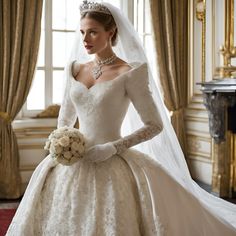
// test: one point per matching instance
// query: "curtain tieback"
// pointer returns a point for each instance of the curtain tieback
(5, 116)
(177, 111)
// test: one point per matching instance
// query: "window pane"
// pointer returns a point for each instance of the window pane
(149, 47)
(72, 14)
(35, 99)
(58, 14)
(147, 17)
(66, 14)
(57, 86)
(61, 47)
(41, 52)
(140, 16)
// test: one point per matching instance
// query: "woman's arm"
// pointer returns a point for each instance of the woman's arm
(137, 88)
(67, 114)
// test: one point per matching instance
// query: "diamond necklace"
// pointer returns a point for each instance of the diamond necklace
(96, 71)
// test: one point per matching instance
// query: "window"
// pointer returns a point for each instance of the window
(143, 25)
(59, 21)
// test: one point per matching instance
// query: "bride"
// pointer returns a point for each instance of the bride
(134, 184)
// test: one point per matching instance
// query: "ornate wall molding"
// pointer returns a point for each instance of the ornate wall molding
(201, 16)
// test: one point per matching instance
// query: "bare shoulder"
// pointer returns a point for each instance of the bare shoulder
(80, 68)
(75, 66)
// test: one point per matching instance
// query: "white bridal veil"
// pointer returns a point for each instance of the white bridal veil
(164, 148)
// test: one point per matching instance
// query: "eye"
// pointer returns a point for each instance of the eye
(93, 32)
(82, 32)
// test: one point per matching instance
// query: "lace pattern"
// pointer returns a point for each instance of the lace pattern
(145, 133)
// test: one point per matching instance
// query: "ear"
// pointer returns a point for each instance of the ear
(112, 32)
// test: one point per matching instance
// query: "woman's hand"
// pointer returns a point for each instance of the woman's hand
(100, 152)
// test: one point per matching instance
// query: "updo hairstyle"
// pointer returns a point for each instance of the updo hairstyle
(106, 20)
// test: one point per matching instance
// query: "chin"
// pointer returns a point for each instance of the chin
(91, 51)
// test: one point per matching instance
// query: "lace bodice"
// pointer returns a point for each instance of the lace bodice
(101, 108)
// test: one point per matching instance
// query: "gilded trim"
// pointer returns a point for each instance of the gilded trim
(228, 50)
(201, 16)
(190, 49)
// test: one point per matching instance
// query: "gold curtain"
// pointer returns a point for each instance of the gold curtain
(20, 25)
(169, 18)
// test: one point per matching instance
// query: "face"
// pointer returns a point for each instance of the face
(95, 37)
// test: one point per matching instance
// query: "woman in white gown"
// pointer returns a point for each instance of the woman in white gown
(117, 189)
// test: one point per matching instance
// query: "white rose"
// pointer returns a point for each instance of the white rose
(64, 141)
(74, 152)
(67, 155)
(52, 149)
(47, 145)
(55, 148)
(53, 141)
(58, 149)
(58, 135)
(65, 149)
(75, 146)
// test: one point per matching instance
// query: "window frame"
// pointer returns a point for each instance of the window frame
(126, 6)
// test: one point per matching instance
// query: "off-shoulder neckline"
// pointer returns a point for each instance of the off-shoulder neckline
(133, 65)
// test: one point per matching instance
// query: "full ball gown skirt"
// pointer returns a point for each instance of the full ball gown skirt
(129, 194)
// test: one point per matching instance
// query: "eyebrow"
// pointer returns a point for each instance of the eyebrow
(91, 29)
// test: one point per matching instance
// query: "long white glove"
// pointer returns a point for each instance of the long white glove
(100, 152)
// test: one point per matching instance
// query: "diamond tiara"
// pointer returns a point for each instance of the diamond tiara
(93, 6)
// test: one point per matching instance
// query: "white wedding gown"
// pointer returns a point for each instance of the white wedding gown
(129, 194)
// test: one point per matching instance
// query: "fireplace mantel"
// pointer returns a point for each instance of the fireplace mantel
(220, 100)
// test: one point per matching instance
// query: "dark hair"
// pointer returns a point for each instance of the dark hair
(106, 20)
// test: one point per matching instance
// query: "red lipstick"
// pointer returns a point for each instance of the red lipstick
(88, 46)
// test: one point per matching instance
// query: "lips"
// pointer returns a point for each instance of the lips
(88, 46)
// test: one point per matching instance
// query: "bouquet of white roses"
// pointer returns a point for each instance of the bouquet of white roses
(67, 145)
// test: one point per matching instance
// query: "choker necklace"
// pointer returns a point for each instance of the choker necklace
(96, 71)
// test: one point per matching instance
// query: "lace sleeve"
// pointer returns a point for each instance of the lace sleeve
(67, 114)
(137, 88)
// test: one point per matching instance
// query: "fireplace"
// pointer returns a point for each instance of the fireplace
(220, 101)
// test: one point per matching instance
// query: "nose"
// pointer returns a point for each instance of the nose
(85, 39)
